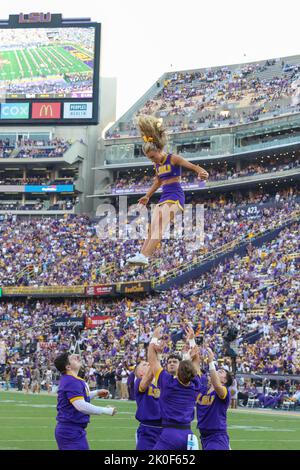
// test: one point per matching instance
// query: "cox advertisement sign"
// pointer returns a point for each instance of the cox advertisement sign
(54, 188)
(14, 110)
(46, 110)
(78, 110)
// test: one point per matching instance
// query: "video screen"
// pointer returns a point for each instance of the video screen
(47, 63)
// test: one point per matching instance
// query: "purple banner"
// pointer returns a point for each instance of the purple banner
(143, 189)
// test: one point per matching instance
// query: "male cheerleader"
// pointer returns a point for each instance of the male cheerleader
(73, 406)
(148, 411)
(177, 399)
(212, 405)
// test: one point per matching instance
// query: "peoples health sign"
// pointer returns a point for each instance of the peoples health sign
(14, 110)
(78, 110)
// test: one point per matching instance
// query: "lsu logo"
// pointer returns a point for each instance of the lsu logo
(80, 55)
(205, 400)
(153, 392)
(35, 18)
(164, 169)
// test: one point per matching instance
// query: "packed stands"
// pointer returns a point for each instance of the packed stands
(221, 96)
(67, 251)
(257, 294)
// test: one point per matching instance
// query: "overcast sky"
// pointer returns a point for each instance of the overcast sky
(143, 39)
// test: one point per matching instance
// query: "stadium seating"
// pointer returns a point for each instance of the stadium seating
(30, 324)
(222, 96)
(34, 149)
(217, 172)
(70, 253)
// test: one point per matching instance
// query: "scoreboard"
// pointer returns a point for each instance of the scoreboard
(49, 70)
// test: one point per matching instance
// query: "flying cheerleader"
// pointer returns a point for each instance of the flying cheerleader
(168, 169)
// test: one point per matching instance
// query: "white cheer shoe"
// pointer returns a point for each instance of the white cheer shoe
(139, 258)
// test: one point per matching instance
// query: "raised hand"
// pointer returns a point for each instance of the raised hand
(202, 174)
(157, 333)
(210, 355)
(143, 200)
(189, 332)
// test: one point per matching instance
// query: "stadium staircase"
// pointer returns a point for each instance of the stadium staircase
(15, 153)
(28, 272)
(106, 269)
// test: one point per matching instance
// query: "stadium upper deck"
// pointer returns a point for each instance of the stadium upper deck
(218, 96)
(41, 173)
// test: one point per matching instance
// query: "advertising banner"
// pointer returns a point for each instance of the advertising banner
(102, 289)
(134, 287)
(69, 322)
(45, 290)
(145, 188)
(14, 110)
(78, 110)
(95, 322)
(46, 110)
(53, 188)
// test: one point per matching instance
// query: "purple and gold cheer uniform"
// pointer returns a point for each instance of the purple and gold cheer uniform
(177, 403)
(172, 192)
(212, 419)
(148, 414)
(70, 433)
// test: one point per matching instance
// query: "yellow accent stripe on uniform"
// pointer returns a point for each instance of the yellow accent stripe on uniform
(164, 160)
(156, 377)
(154, 382)
(76, 398)
(225, 393)
(75, 376)
(174, 202)
(181, 383)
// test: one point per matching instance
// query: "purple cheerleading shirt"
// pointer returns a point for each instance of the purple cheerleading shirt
(212, 411)
(177, 401)
(148, 406)
(70, 389)
(166, 170)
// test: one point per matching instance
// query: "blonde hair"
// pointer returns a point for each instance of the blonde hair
(153, 133)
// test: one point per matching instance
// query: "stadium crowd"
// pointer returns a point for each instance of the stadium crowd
(9, 207)
(28, 148)
(216, 97)
(222, 173)
(257, 295)
(68, 251)
(34, 180)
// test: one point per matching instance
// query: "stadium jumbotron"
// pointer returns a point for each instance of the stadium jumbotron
(156, 269)
(46, 63)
